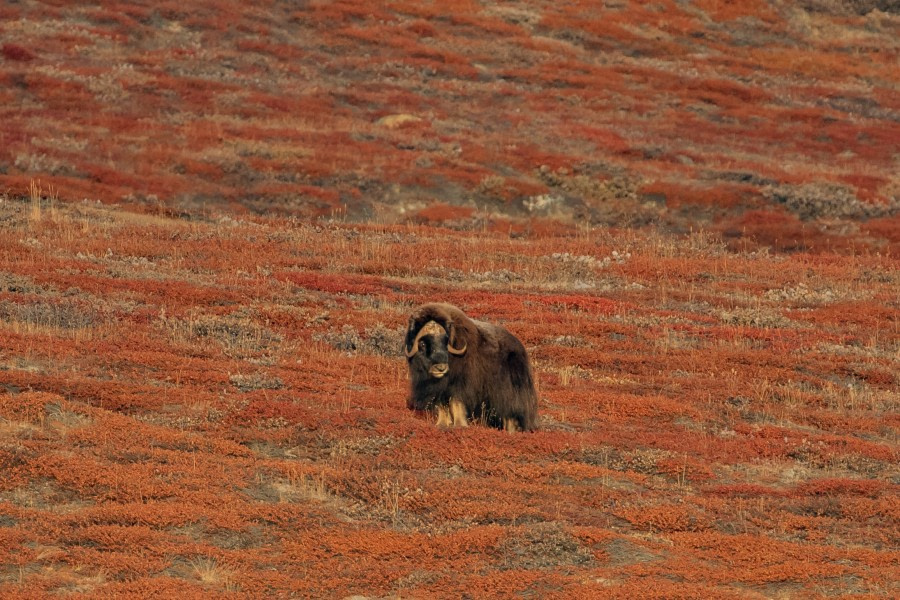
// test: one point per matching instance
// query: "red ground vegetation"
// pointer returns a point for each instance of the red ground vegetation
(212, 405)
(216, 217)
(279, 109)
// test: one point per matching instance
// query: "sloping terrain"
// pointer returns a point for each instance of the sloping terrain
(216, 217)
(219, 407)
(754, 116)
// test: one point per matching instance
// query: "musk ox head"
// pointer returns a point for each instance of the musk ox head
(428, 353)
(435, 343)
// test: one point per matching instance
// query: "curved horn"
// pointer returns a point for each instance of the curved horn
(411, 349)
(451, 329)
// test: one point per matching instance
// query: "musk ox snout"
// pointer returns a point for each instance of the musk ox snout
(439, 370)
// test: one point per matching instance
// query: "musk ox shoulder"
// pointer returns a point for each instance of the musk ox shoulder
(466, 369)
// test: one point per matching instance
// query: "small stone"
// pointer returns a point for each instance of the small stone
(395, 121)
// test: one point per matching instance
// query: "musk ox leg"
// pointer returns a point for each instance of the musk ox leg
(443, 417)
(511, 425)
(458, 409)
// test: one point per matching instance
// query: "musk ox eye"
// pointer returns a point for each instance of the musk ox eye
(422, 346)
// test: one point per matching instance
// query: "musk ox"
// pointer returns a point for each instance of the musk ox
(462, 368)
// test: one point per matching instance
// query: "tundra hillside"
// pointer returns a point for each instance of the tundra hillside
(217, 217)
(772, 119)
(219, 406)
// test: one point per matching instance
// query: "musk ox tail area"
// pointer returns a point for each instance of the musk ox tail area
(519, 400)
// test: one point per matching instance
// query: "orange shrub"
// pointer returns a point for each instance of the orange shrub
(841, 487)
(30, 407)
(661, 518)
(442, 213)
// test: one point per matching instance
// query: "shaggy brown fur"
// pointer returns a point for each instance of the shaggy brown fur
(487, 378)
